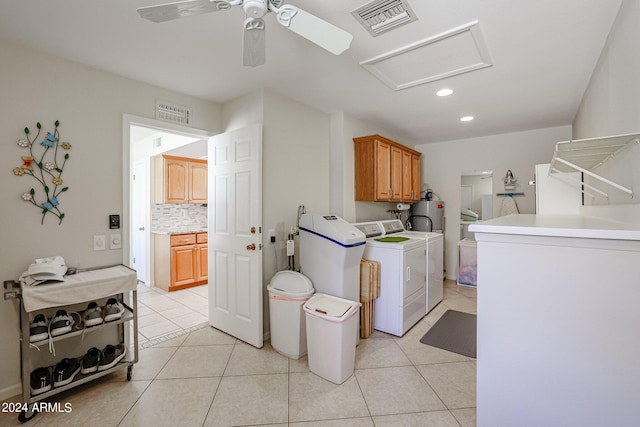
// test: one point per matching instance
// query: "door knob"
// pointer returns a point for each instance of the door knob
(251, 247)
(141, 228)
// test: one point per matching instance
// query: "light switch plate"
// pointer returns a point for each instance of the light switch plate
(115, 242)
(99, 242)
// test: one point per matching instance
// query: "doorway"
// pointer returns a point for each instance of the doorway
(160, 314)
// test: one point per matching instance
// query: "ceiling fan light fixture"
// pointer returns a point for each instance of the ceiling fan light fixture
(324, 34)
(255, 8)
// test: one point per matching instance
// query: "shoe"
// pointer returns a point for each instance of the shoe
(90, 361)
(62, 323)
(110, 356)
(39, 329)
(65, 371)
(92, 315)
(40, 381)
(113, 310)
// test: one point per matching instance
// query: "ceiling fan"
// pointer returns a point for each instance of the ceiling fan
(309, 26)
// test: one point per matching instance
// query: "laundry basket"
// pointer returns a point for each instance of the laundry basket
(468, 262)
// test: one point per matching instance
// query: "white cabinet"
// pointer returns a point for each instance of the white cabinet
(558, 322)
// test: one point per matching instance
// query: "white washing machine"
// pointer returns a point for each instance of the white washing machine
(434, 258)
(402, 301)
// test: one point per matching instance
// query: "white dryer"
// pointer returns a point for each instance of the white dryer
(434, 259)
(402, 301)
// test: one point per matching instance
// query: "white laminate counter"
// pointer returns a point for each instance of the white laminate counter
(558, 226)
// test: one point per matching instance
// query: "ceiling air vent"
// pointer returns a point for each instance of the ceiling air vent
(380, 16)
(173, 113)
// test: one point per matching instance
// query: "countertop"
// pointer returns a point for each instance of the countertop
(180, 231)
(558, 226)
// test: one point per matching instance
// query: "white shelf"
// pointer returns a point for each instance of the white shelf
(126, 317)
(587, 155)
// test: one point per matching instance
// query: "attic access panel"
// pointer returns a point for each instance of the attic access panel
(456, 51)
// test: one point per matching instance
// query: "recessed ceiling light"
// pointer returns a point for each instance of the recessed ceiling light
(466, 118)
(444, 92)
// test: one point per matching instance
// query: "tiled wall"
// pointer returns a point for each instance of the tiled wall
(173, 217)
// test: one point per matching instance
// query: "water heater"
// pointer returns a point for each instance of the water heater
(427, 215)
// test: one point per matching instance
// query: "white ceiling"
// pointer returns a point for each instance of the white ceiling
(543, 53)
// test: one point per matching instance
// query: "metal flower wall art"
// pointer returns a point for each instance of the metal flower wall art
(44, 161)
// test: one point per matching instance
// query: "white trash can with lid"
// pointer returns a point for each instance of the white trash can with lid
(288, 291)
(332, 331)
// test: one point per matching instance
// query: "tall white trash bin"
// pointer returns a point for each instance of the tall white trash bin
(288, 291)
(332, 331)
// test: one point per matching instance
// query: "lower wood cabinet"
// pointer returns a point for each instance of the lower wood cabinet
(180, 260)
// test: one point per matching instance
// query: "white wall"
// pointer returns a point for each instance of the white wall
(611, 106)
(443, 164)
(295, 165)
(89, 105)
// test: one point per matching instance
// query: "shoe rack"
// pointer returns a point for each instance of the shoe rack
(123, 288)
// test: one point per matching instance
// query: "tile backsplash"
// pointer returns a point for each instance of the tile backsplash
(177, 217)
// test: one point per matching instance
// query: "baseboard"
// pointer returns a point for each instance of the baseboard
(11, 391)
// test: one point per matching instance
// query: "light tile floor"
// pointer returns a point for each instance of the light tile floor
(165, 315)
(207, 378)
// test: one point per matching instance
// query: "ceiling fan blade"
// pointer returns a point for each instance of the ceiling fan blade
(253, 49)
(182, 9)
(314, 29)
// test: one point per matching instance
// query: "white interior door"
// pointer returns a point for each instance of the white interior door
(235, 239)
(139, 220)
(466, 197)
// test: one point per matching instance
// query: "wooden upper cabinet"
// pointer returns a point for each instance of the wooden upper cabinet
(385, 170)
(407, 183)
(415, 177)
(396, 174)
(176, 180)
(382, 178)
(198, 176)
(180, 180)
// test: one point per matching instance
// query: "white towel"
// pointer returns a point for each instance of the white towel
(508, 206)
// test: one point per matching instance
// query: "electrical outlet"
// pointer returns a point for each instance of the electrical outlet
(115, 242)
(99, 242)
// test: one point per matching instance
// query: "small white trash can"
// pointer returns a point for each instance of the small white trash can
(332, 331)
(288, 291)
